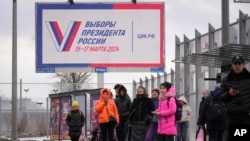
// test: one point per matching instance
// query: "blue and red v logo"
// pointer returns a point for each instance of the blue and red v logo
(63, 42)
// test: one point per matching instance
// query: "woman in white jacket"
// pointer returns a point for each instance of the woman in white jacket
(182, 125)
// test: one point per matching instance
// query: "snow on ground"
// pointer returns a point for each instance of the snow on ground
(33, 139)
(29, 139)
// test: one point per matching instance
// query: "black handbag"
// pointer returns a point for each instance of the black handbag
(112, 119)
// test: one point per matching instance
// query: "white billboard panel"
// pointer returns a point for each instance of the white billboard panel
(99, 35)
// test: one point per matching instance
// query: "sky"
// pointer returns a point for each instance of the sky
(182, 17)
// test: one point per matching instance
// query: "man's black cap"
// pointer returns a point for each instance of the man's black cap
(117, 86)
(238, 59)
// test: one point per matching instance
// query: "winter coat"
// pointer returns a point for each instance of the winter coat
(142, 107)
(123, 104)
(238, 107)
(140, 117)
(186, 110)
(211, 125)
(104, 111)
(166, 118)
(156, 104)
(75, 121)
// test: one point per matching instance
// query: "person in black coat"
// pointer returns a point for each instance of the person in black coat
(215, 128)
(205, 94)
(75, 121)
(140, 115)
(235, 91)
(116, 88)
(123, 104)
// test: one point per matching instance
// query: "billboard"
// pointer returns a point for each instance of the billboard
(242, 1)
(99, 36)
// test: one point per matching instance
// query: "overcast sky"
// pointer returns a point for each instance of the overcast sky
(181, 17)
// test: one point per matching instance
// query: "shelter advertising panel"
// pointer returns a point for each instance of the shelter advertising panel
(93, 114)
(99, 35)
(65, 107)
(54, 118)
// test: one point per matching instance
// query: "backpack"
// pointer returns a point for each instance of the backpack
(178, 109)
(216, 110)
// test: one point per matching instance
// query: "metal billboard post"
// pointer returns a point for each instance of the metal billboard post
(14, 72)
(100, 80)
(0, 116)
(21, 99)
(47, 117)
(225, 21)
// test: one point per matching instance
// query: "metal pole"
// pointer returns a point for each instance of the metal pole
(100, 80)
(14, 72)
(47, 119)
(21, 99)
(1, 116)
(61, 86)
(225, 21)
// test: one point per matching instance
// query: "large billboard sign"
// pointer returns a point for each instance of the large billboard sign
(242, 1)
(99, 36)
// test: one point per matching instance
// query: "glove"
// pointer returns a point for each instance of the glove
(105, 101)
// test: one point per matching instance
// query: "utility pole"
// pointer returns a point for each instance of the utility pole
(14, 72)
(21, 100)
(0, 116)
(47, 117)
(225, 27)
(225, 21)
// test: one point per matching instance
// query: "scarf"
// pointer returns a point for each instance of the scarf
(170, 93)
(163, 96)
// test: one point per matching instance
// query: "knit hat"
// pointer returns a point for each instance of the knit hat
(155, 89)
(75, 103)
(167, 85)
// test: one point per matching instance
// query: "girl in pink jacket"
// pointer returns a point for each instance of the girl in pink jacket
(166, 113)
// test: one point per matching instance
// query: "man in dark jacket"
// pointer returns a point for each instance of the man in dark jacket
(235, 91)
(216, 126)
(123, 104)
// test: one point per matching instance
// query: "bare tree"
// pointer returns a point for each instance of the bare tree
(41, 126)
(22, 124)
(71, 81)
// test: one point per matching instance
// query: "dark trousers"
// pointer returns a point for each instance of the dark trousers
(107, 130)
(162, 137)
(74, 138)
(155, 127)
(121, 130)
(215, 135)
